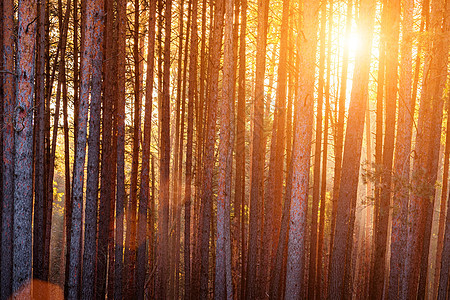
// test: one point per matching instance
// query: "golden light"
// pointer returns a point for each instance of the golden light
(354, 42)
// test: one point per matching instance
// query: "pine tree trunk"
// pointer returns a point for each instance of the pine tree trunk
(339, 137)
(323, 189)
(317, 157)
(401, 163)
(210, 133)
(130, 240)
(8, 104)
(301, 151)
(442, 206)
(427, 149)
(274, 190)
(351, 158)
(222, 287)
(92, 47)
(240, 148)
(40, 172)
(257, 174)
(90, 231)
(23, 146)
(443, 291)
(120, 119)
(163, 211)
(192, 94)
(142, 252)
(392, 35)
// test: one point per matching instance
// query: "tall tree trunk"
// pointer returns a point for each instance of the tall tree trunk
(192, 94)
(210, 133)
(339, 139)
(240, 147)
(323, 188)
(40, 172)
(107, 192)
(351, 158)
(427, 150)
(443, 205)
(90, 231)
(257, 175)
(317, 156)
(69, 196)
(23, 146)
(222, 288)
(141, 256)
(91, 47)
(120, 119)
(301, 151)
(9, 104)
(163, 211)
(274, 190)
(130, 240)
(1, 130)
(443, 291)
(401, 163)
(392, 35)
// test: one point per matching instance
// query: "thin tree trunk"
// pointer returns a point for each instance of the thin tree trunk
(163, 211)
(91, 47)
(130, 240)
(90, 231)
(323, 188)
(443, 206)
(257, 175)
(351, 158)
(120, 115)
(392, 36)
(274, 190)
(317, 156)
(142, 253)
(301, 151)
(40, 172)
(339, 140)
(192, 94)
(69, 196)
(427, 150)
(210, 130)
(443, 291)
(401, 164)
(222, 287)
(240, 148)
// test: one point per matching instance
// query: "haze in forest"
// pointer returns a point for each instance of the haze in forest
(226, 149)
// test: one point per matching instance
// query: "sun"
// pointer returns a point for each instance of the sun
(354, 42)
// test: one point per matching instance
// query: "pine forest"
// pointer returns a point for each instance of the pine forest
(224, 149)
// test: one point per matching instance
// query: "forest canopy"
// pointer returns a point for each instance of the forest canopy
(226, 149)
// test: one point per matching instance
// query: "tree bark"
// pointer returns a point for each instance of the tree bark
(9, 104)
(401, 163)
(351, 158)
(339, 138)
(222, 288)
(163, 211)
(91, 47)
(142, 252)
(257, 173)
(90, 231)
(23, 146)
(392, 35)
